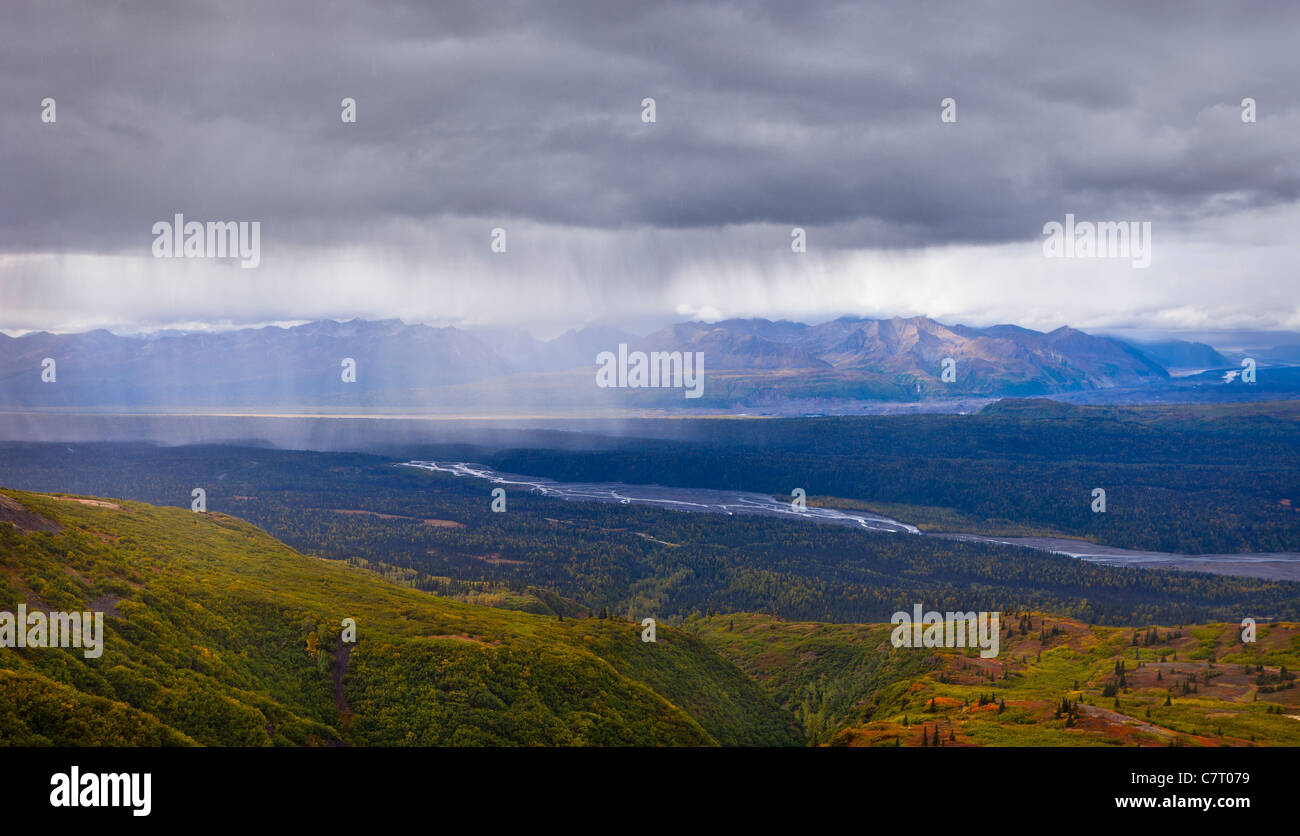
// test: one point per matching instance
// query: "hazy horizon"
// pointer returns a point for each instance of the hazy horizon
(1223, 340)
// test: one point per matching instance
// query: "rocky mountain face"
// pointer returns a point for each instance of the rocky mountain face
(1004, 359)
(397, 364)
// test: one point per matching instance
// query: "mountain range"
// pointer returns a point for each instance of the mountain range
(747, 362)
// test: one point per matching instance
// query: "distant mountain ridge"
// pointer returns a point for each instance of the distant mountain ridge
(1182, 354)
(746, 361)
(916, 347)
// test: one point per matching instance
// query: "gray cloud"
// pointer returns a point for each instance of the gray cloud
(823, 115)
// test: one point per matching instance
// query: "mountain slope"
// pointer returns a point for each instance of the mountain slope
(303, 365)
(747, 361)
(217, 634)
(1182, 354)
(915, 346)
(734, 344)
(1148, 686)
(901, 358)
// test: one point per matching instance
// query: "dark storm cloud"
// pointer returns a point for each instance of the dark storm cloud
(822, 115)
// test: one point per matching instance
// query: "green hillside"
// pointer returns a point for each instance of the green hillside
(1188, 685)
(217, 634)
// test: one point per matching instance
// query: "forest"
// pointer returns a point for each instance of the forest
(437, 532)
(1190, 479)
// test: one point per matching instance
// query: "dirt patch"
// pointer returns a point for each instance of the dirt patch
(367, 513)
(1109, 725)
(1123, 726)
(434, 523)
(657, 540)
(497, 560)
(97, 503)
(641, 534)
(16, 514)
(107, 604)
(26, 595)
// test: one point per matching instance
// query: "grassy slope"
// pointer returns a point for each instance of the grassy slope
(218, 634)
(849, 686)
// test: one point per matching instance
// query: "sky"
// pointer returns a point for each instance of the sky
(529, 117)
